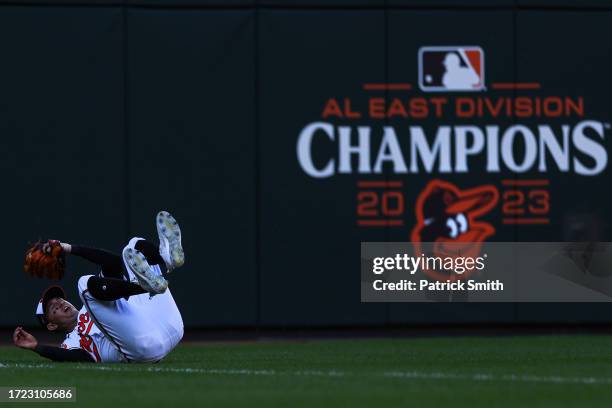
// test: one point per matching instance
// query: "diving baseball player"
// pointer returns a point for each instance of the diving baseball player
(128, 312)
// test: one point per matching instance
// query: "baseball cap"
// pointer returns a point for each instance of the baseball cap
(48, 294)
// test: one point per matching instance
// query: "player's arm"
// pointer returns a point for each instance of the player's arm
(95, 255)
(25, 340)
(111, 264)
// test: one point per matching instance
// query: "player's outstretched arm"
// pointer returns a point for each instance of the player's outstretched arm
(111, 264)
(25, 340)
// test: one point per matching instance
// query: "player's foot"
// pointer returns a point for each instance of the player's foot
(170, 247)
(147, 279)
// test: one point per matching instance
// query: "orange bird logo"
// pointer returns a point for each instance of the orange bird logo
(448, 218)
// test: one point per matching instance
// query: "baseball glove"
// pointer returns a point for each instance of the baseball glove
(45, 260)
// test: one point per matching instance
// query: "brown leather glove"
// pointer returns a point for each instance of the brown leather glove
(45, 260)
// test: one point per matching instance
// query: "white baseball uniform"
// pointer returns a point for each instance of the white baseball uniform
(136, 330)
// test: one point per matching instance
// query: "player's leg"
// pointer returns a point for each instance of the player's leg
(147, 262)
(125, 324)
(169, 254)
(162, 308)
(112, 289)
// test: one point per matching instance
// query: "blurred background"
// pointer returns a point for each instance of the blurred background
(113, 110)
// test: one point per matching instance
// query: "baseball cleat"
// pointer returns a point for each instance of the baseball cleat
(170, 247)
(147, 279)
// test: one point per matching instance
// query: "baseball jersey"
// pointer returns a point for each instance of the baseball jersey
(87, 336)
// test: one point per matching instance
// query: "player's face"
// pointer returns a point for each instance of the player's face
(61, 312)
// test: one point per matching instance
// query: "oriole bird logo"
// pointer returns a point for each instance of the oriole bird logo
(448, 218)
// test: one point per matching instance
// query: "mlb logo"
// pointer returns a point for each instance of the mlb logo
(451, 68)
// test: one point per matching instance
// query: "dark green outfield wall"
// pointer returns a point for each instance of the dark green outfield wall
(110, 111)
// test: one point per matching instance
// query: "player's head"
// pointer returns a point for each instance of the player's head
(54, 312)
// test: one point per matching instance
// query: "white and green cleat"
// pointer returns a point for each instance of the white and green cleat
(147, 279)
(170, 247)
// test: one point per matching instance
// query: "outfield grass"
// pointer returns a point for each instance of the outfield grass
(528, 371)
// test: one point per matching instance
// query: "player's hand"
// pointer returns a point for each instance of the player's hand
(24, 340)
(47, 246)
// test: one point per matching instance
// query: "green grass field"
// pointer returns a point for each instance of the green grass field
(524, 371)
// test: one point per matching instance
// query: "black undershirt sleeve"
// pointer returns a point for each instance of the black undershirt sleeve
(60, 354)
(111, 264)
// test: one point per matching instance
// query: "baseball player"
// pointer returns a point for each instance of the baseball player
(128, 312)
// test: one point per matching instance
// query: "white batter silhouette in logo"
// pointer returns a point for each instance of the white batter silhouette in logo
(458, 77)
